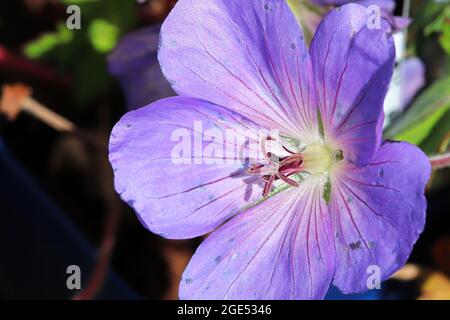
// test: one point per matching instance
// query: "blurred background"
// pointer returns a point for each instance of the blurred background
(69, 69)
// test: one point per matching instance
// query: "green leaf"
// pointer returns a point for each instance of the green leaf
(103, 22)
(417, 122)
(103, 35)
(425, 13)
(439, 23)
(441, 26)
(444, 38)
(433, 142)
(47, 42)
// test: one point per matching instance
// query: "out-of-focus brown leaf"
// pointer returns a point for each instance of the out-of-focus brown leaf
(177, 254)
(441, 254)
(435, 287)
(12, 97)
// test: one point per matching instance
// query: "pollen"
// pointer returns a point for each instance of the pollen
(319, 158)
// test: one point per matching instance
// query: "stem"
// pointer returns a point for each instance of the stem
(441, 161)
(46, 115)
(16, 98)
(406, 8)
(101, 267)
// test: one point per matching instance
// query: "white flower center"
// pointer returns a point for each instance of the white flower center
(318, 158)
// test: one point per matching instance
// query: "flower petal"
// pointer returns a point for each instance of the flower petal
(280, 249)
(135, 65)
(413, 73)
(387, 5)
(380, 212)
(387, 11)
(248, 56)
(189, 195)
(353, 65)
(409, 78)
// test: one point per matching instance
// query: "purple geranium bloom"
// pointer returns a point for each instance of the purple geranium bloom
(338, 203)
(135, 65)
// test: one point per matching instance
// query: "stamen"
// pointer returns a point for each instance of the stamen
(277, 170)
(267, 186)
(287, 150)
(287, 180)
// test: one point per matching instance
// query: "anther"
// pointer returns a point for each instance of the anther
(279, 169)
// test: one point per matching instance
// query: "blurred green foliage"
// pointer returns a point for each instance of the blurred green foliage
(48, 41)
(82, 53)
(418, 121)
(103, 35)
(427, 120)
(441, 26)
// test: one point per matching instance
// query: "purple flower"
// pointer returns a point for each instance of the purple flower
(412, 71)
(408, 79)
(339, 203)
(134, 64)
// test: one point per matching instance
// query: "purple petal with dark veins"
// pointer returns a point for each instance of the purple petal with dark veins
(183, 200)
(379, 212)
(280, 249)
(248, 56)
(353, 66)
